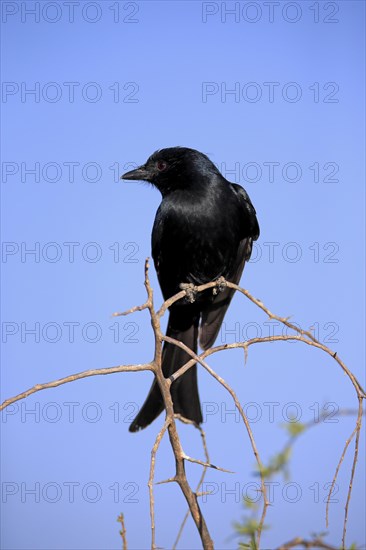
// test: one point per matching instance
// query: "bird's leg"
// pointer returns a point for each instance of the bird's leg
(220, 285)
(190, 290)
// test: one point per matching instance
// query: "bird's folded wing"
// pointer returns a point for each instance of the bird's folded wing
(213, 315)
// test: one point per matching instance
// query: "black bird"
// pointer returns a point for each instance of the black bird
(204, 229)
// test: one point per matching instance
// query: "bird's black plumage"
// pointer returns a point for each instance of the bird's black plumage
(204, 229)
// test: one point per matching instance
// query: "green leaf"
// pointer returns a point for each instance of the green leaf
(278, 463)
(250, 504)
(295, 428)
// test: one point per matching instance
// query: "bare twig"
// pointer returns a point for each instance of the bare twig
(121, 520)
(201, 480)
(131, 310)
(154, 450)
(72, 378)
(355, 456)
(206, 464)
(198, 359)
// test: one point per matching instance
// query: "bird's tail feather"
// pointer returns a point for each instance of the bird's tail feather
(182, 326)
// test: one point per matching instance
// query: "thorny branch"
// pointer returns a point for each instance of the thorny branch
(201, 480)
(170, 421)
(121, 520)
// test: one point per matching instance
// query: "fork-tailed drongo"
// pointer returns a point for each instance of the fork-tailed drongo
(204, 229)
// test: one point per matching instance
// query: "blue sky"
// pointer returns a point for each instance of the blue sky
(276, 99)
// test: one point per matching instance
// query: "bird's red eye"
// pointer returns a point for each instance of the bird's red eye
(161, 165)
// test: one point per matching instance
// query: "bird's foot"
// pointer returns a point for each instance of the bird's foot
(190, 290)
(220, 285)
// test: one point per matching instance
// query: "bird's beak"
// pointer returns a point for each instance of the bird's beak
(140, 173)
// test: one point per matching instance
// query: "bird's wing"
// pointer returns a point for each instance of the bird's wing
(250, 222)
(213, 314)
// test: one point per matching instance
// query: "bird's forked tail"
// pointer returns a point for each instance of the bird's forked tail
(182, 326)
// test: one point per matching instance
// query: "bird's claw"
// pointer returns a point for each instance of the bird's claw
(190, 291)
(220, 285)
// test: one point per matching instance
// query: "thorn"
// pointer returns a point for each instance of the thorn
(245, 355)
(170, 480)
(206, 464)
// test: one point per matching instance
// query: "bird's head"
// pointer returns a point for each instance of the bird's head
(172, 168)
